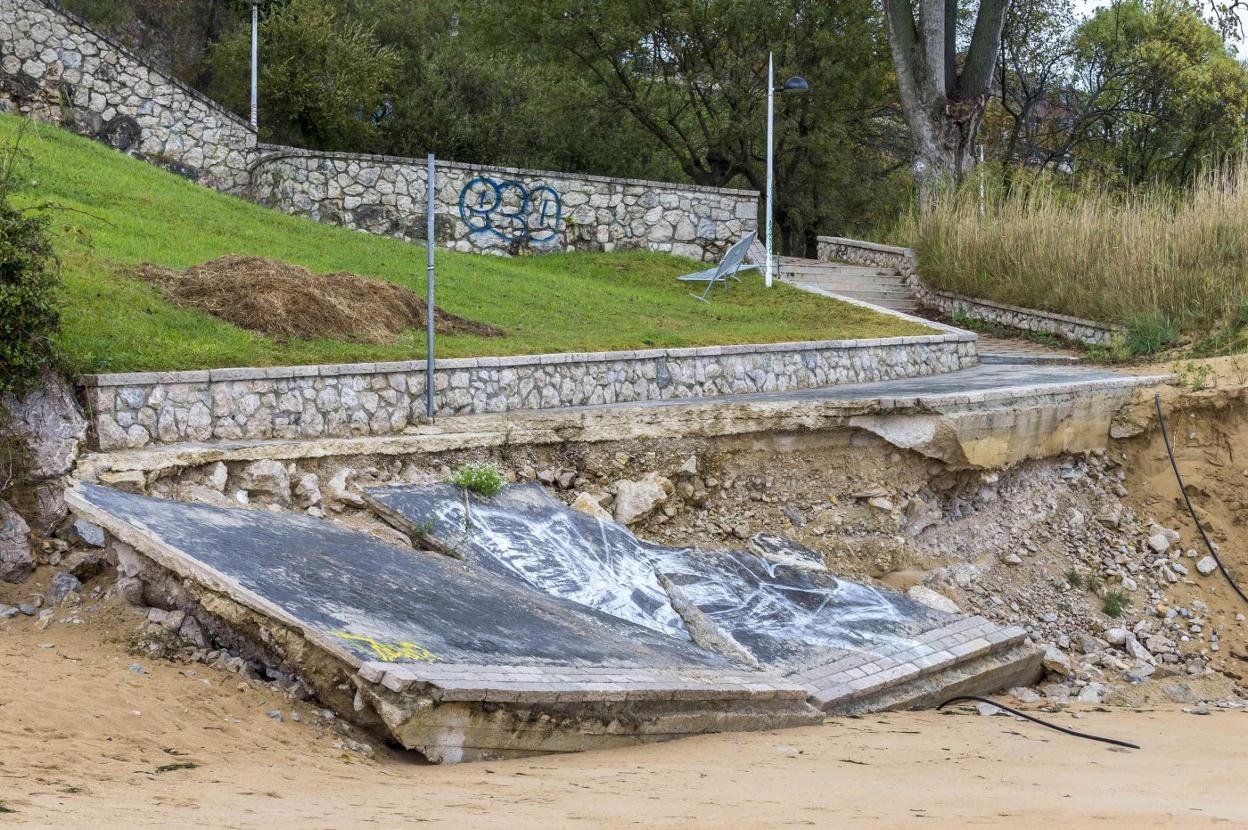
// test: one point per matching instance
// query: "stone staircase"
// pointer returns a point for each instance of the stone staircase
(878, 286)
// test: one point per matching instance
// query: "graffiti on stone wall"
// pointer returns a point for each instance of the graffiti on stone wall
(508, 211)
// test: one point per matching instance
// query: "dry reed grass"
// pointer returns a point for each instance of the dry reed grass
(1095, 253)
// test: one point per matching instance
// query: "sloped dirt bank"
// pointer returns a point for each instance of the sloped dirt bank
(90, 742)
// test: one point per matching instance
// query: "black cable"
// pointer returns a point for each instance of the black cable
(1026, 716)
(1183, 489)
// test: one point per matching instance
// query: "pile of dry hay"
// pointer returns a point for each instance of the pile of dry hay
(282, 300)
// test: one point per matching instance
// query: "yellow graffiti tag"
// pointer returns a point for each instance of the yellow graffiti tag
(391, 652)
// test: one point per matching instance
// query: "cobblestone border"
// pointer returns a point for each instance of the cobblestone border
(135, 410)
(858, 252)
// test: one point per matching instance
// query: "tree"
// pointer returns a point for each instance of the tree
(693, 75)
(1172, 98)
(323, 80)
(943, 103)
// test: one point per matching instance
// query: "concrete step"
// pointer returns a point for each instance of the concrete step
(847, 281)
(860, 288)
(845, 272)
(902, 301)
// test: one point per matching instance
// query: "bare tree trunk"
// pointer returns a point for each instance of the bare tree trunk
(943, 109)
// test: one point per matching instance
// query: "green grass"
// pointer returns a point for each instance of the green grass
(117, 212)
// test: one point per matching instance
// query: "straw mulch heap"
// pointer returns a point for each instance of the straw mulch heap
(284, 301)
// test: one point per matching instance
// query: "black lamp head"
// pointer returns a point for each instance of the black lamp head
(794, 84)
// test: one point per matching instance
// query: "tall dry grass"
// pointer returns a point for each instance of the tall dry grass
(1094, 253)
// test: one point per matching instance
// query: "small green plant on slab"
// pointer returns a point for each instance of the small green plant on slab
(483, 479)
(1116, 602)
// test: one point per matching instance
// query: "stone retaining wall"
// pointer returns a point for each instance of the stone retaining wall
(503, 209)
(903, 260)
(54, 67)
(137, 409)
(858, 252)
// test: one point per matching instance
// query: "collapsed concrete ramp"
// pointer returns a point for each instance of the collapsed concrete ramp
(458, 663)
(850, 645)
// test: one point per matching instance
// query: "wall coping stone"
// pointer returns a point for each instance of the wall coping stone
(870, 246)
(276, 152)
(1109, 329)
(1031, 312)
(164, 73)
(330, 370)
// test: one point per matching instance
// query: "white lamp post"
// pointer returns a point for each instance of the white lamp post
(255, 37)
(793, 84)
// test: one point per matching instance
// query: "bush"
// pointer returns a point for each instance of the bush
(1116, 602)
(482, 479)
(29, 273)
(1150, 333)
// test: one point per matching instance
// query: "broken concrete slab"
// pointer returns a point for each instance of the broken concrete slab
(1065, 409)
(455, 663)
(843, 641)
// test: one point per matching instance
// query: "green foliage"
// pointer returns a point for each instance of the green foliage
(1074, 579)
(133, 212)
(483, 479)
(28, 283)
(1093, 583)
(323, 78)
(694, 77)
(1149, 333)
(1116, 602)
(1173, 98)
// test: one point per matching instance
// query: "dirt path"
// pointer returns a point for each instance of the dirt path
(82, 736)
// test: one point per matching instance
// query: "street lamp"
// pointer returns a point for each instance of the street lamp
(793, 84)
(255, 37)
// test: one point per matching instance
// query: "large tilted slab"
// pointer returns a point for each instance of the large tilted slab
(848, 644)
(458, 663)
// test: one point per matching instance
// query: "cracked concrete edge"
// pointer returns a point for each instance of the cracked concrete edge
(594, 425)
(186, 567)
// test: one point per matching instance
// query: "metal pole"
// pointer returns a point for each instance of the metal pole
(771, 92)
(255, 37)
(981, 181)
(430, 184)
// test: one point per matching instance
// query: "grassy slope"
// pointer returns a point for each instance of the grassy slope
(120, 212)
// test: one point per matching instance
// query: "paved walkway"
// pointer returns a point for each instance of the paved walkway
(885, 290)
(982, 382)
(992, 347)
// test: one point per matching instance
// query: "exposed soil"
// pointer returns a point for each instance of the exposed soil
(88, 719)
(88, 742)
(283, 300)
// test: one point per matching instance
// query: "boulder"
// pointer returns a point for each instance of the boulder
(266, 477)
(589, 505)
(932, 599)
(49, 425)
(308, 490)
(1207, 566)
(338, 490)
(635, 500)
(1057, 662)
(82, 532)
(16, 560)
(63, 584)
(42, 503)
